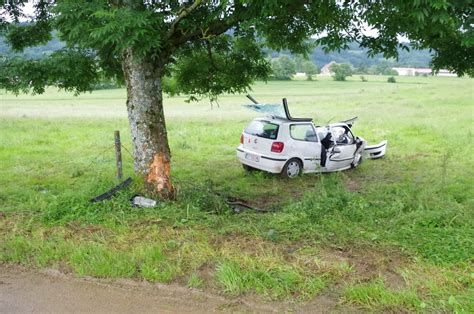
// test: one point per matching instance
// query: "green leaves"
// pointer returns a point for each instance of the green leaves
(283, 68)
(21, 36)
(69, 69)
(225, 64)
(341, 71)
(101, 27)
(211, 48)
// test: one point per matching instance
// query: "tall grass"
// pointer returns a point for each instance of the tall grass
(56, 153)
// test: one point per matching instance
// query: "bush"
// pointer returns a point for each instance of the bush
(341, 71)
(310, 69)
(391, 79)
(391, 72)
(383, 68)
(283, 68)
(363, 79)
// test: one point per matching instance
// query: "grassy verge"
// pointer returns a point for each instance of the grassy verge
(394, 234)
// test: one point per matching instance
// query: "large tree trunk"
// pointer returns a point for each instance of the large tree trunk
(147, 122)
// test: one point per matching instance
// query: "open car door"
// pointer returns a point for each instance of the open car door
(341, 155)
(350, 122)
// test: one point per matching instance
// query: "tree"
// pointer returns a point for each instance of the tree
(283, 68)
(362, 69)
(341, 71)
(383, 68)
(310, 69)
(206, 48)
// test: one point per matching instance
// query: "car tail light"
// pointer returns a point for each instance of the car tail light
(277, 147)
(241, 138)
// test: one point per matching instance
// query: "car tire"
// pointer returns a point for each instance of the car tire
(292, 169)
(248, 168)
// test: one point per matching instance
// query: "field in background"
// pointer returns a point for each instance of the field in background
(394, 234)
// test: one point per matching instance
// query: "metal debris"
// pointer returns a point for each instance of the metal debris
(140, 201)
(112, 191)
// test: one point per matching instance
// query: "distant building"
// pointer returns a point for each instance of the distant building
(421, 71)
(326, 69)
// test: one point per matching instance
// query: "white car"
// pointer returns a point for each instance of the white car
(279, 143)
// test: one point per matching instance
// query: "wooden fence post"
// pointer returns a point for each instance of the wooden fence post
(118, 154)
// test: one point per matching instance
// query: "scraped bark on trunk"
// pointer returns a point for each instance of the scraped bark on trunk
(147, 122)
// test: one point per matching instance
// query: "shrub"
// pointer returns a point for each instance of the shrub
(391, 79)
(283, 68)
(391, 72)
(310, 69)
(341, 71)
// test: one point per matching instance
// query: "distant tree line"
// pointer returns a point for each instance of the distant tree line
(285, 65)
(358, 57)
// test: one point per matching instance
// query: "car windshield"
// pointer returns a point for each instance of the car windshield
(276, 110)
(263, 129)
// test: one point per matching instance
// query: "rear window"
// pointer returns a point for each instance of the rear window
(263, 129)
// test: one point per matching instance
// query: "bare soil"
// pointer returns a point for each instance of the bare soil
(50, 291)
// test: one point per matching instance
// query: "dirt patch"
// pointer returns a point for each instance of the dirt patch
(23, 291)
(206, 272)
(353, 185)
(325, 301)
(51, 291)
(370, 264)
(417, 156)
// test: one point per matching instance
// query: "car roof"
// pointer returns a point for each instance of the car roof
(280, 120)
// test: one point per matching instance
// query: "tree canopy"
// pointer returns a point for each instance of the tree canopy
(216, 39)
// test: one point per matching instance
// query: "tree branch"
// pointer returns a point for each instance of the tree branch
(209, 54)
(181, 15)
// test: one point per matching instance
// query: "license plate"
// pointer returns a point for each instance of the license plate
(252, 157)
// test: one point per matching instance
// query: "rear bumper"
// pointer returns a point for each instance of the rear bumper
(267, 163)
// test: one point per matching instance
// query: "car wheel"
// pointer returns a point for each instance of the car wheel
(248, 168)
(292, 168)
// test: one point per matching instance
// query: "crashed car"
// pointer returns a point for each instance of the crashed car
(279, 143)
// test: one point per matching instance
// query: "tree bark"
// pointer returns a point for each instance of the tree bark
(147, 122)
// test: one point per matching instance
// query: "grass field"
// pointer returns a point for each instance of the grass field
(395, 234)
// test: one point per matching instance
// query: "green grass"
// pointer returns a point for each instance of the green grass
(410, 213)
(194, 281)
(276, 282)
(376, 294)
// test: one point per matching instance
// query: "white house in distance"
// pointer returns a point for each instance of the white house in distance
(421, 71)
(326, 69)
